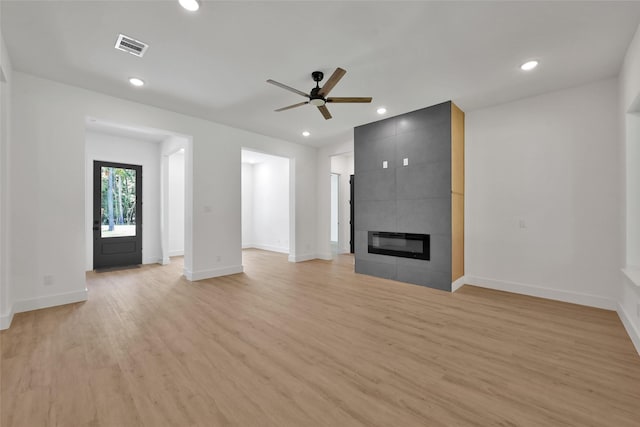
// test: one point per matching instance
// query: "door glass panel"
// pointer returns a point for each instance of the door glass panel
(118, 210)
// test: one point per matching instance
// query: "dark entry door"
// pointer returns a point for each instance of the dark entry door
(351, 215)
(117, 214)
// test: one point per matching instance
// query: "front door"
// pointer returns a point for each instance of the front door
(117, 214)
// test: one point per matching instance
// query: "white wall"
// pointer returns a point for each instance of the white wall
(111, 148)
(269, 215)
(343, 165)
(6, 76)
(48, 163)
(549, 163)
(629, 296)
(176, 204)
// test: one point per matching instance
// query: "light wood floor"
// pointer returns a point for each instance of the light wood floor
(313, 344)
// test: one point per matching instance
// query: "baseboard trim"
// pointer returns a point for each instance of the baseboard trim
(270, 248)
(5, 320)
(49, 301)
(548, 293)
(301, 258)
(632, 331)
(457, 284)
(325, 256)
(209, 274)
(151, 260)
(176, 253)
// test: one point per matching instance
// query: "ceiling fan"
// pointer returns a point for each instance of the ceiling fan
(318, 95)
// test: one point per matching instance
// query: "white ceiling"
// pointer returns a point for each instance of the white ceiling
(126, 131)
(407, 55)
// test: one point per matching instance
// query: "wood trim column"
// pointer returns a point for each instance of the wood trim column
(457, 192)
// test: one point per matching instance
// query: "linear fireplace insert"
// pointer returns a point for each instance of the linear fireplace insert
(407, 245)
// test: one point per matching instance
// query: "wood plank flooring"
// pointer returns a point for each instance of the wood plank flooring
(313, 344)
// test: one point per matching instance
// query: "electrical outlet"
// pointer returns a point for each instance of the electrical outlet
(218, 258)
(47, 280)
(385, 164)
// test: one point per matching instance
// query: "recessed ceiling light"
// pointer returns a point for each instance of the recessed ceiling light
(190, 5)
(136, 81)
(381, 110)
(306, 133)
(528, 66)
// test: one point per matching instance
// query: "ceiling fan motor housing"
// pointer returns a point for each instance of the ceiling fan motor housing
(315, 98)
(317, 76)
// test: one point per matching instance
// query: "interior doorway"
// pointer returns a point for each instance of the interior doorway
(150, 149)
(335, 203)
(342, 167)
(266, 215)
(176, 204)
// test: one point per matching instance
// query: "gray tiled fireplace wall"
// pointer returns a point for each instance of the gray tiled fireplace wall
(410, 199)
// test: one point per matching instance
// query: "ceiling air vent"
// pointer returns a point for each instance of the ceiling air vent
(133, 46)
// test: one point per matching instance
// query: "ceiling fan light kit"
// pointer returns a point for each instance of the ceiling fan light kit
(318, 102)
(318, 95)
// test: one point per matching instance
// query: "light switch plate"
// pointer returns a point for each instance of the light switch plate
(405, 162)
(385, 164)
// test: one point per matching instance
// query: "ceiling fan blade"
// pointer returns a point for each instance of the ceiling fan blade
(325, 112)
(333, 80)
(289, 88)
(299, 104)
(350, 99)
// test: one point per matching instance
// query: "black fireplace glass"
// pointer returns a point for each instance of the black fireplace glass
(406, 245)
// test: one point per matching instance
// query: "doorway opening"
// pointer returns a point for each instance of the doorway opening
(266, 219)
(128, 226)
(341, 213)
(335, 202)
(175, 192)
(632, 146)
